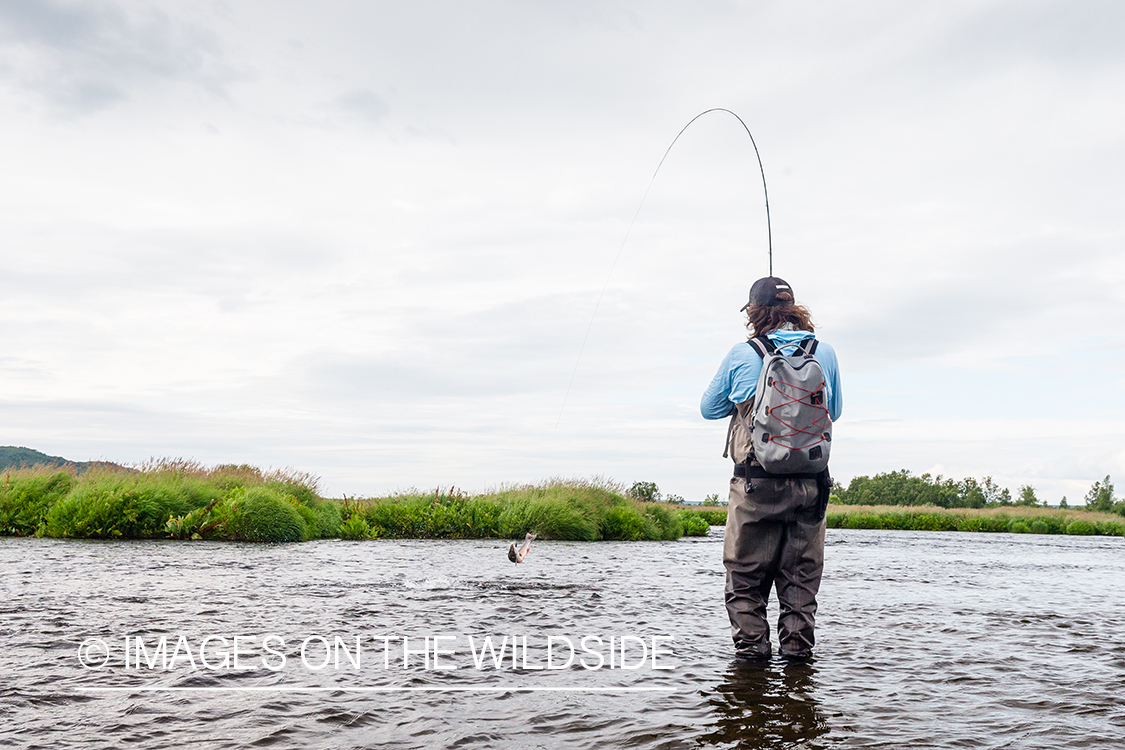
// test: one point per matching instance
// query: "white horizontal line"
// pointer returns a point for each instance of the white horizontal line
(381, 689)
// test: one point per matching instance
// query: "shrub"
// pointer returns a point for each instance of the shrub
(1110, 528)
(862, 521)
(1081, 528)
(665, 524)
(118, 504)
(109, 513)
(301, 491)
(1017, 526)
(694, 524)
(555, 519)
(1039, 526)
(990, 524)
(895, 521)
(326, 518)
(322, 519)
(209, 520)
(935, 522)
(645, 491)
(483, 517)
(713, 517)
(356, 528)
(264, 514)
(25, 501)
(394, 519)
(1055, 524)
(623, 523)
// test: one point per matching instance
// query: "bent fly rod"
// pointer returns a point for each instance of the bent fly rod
(598, 304)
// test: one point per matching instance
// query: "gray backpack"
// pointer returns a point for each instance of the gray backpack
(786, 428)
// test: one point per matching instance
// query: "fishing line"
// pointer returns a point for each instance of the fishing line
(769, 234)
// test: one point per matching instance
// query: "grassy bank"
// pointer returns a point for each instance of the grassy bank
(184, 500)
(178, 499)
(558, 509)
(1011, 519)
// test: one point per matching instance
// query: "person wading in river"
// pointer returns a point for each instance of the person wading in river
(775, 524)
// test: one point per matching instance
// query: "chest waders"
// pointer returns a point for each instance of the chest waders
(775, 522)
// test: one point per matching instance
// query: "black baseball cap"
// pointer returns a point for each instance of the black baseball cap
(764, 292)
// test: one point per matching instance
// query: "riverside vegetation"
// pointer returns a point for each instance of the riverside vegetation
(926, 503)
(185, 500)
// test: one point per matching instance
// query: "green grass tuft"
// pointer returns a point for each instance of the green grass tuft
(26, 499)
(1110, 528)
(624, 523)
(713, 516)
(178, 499)
(356, 528)
(1081, 528)
(266, 514)
(695, 524)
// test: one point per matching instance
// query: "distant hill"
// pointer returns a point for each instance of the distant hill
(13, 457)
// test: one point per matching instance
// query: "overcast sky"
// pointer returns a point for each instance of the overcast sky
(365, 239)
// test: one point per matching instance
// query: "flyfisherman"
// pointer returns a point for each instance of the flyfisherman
(775, 521)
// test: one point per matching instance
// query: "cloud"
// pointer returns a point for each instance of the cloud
(1054, 31)
(364, 104)
(85, 57)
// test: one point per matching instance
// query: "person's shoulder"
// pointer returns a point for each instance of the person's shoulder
(740, 356)
(741, 351)
(825, 352)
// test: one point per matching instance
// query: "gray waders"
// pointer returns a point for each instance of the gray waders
(774, 538)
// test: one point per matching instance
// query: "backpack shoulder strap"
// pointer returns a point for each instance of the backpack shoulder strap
(807, 347)
(762, 345)
(730, 431)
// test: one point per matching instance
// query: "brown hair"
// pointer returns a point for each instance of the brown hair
(761, 319)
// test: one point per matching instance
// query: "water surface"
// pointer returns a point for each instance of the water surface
(925, 640)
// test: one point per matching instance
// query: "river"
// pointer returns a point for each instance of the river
(925, 640)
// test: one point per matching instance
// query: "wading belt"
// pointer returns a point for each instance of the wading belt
(823, 482)
(757, 472)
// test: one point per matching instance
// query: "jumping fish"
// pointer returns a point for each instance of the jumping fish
(517, 555)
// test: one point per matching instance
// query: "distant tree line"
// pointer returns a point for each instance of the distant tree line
(904, 488)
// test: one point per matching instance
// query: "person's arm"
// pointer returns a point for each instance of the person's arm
(735, 382)
(826, 355)
(716, 403)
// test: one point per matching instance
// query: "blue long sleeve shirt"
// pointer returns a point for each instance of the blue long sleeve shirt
(737, 378)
